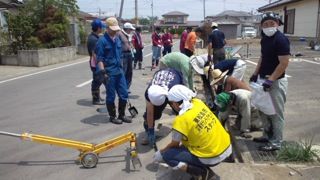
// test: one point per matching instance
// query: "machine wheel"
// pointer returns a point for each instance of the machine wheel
(89, 160)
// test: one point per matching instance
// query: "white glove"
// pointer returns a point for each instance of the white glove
(157, 157)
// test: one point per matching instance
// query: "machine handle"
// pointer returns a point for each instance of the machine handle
(10, 134)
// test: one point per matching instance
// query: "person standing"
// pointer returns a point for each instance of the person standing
(96, 27)
(167, 42)
(156, 47)
(183, 38)
(127, 52)
(138, 46)
(271, 70)
(108, 51)
(190, 45)
(216, 44)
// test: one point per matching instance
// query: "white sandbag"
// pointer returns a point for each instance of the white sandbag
(261, 99)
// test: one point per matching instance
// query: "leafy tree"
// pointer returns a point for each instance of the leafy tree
(41, 23)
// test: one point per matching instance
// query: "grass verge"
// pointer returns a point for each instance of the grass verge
(297, 151)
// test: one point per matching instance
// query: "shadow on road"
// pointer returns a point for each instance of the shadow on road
(102, 160)
(160, 134)
(96, 120)
(85, 102)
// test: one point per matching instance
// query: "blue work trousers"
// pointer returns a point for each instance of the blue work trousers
(116, 83)
(173, 156)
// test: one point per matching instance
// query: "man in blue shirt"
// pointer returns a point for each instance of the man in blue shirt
(216, 44)
(110, 70)
(96, 26)
(274, 60)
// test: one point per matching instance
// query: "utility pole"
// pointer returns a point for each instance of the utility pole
(121, 8)
(152, 21)
(204, 10)
(136, 12)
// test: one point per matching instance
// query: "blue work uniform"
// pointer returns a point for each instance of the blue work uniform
(108, 51)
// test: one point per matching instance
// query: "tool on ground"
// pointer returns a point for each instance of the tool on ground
(89, 153)
(132, 110)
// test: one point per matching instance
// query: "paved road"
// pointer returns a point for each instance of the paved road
(58, 103)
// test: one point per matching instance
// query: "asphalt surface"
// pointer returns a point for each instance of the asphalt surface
(58, 103)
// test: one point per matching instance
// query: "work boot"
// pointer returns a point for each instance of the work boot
(96, 99)
(140, 65)
(112, 114)
(122, 109)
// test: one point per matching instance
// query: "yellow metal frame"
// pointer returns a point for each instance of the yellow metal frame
(85, 147)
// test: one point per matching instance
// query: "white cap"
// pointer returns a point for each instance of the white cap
(157, 94)
(214, 24)
(198, 62)
(128, 25)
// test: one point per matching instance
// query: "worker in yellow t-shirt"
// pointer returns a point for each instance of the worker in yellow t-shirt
(198, 139)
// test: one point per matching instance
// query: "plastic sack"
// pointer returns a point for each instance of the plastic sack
(261, 99)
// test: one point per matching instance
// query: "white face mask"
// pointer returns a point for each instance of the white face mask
(270, 31)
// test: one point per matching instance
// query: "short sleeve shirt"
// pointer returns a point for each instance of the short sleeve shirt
(226, 65)
(91, 42)
(271, 48)
(217, 39)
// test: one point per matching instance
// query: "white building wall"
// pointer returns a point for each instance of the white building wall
(305, 17)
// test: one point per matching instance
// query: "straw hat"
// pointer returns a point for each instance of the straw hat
(217, 75)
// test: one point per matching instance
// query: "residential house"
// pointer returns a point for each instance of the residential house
(7, 6)
(301, 17)
(233, 22)
(176, 19)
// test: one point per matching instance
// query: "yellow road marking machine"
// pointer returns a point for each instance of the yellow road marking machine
(88, 156)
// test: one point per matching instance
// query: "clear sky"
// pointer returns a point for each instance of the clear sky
(192, 7)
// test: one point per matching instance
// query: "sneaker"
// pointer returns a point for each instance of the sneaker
(269, 147)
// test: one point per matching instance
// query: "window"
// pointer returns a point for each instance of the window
(289, 21)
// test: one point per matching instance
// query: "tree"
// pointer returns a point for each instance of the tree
(42, 23)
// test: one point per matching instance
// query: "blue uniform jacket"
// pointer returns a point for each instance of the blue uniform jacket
(108, 51)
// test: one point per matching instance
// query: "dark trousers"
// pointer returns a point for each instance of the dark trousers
(218, 55)
(138, 56)
(127, 67)
(187, 52)
(96, 83)
(166, 50)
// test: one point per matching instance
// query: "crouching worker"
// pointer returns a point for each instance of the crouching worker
(198, 139)
(238, 99)
(156, 99)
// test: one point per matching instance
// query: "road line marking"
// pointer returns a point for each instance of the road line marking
(148, 55)
(85, 83)
(40, 72)
(251, 62)
(310, 61)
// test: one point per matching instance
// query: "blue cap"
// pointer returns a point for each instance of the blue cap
(97, 23)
